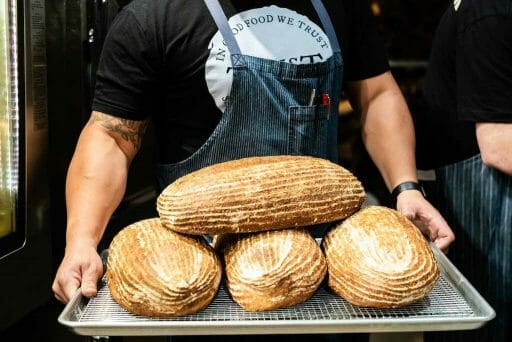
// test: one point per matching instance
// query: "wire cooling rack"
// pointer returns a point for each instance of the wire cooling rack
(452, 304)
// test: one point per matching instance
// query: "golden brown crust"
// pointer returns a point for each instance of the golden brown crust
(378, 258)
(258, 194)
(273, 269)
(153, 271)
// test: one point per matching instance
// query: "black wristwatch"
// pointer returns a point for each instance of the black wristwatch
(407, 186)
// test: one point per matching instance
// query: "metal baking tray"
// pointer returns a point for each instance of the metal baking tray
(453, 304)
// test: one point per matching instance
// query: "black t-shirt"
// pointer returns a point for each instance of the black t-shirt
(165, 59)
(469, 80)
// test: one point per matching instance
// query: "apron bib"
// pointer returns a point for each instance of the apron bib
(267, 111)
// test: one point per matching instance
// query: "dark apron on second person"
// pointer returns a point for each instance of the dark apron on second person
(478, 202)
(267, 111)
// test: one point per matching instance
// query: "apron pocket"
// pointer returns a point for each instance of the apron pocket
(307, 130)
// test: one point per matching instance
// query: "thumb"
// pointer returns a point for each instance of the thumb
(69, 289)
(90, 278)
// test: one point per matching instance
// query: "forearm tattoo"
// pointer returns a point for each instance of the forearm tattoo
(130, 130)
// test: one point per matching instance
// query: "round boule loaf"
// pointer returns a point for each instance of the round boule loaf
(378, 258)
(153, 271)
(258, 194)
(273, 269)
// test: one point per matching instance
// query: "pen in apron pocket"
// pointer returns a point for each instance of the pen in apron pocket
(312, 97)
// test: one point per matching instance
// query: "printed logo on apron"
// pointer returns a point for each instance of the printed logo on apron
(269, 32)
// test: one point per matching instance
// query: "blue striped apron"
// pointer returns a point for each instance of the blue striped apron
(478, 204)
(267, 111)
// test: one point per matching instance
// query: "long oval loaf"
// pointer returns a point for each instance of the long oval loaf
(378, 258)
(273, 269)
(153, 271)
(258, 194)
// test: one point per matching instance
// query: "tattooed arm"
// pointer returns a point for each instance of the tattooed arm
(95, 186)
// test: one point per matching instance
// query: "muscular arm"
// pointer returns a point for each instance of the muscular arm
(388, 135)
(97, 174)
(388, 131)
(95, 186)
(495, 143)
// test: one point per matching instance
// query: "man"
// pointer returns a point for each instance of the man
(264, 83)
(466, 134)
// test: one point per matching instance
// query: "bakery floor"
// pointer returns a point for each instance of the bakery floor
(41, 325)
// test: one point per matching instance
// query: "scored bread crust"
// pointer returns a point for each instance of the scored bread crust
(258, 194)
(378, 258)
(273, 269)
(153, 271)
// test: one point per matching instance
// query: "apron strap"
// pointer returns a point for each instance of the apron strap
(237, 59)
(327, 24)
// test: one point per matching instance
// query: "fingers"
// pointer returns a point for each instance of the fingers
(419, 222)
(81, 269)
(409, 213)
(431, 223)
(440, 236)
(70, 289)
(443, 234)
(58, 296)
(443, 243)
(65, 289)
(90, 278)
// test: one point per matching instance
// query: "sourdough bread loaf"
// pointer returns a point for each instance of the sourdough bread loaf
(378, 258)
(258, 194)
(153, 271)
(273, 269)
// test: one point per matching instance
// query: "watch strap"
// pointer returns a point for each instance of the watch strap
(409, 185)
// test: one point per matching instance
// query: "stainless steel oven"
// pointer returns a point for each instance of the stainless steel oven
(49, 51)
(25, 246)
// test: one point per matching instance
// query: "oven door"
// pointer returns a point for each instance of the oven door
(25, 246)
